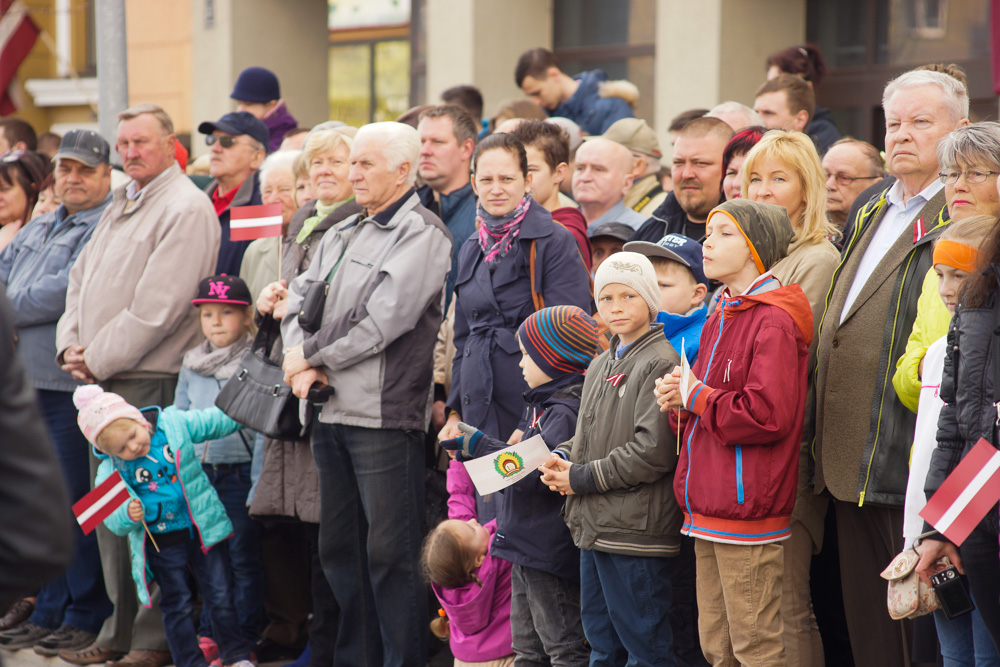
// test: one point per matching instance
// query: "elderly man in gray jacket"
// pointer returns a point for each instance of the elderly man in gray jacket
(386, 267)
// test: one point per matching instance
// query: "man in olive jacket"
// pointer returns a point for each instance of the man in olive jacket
(863, 432)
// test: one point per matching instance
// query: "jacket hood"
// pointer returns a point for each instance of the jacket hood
(765, 227)
(471, 605)
(595, 83)
(673, 323)
(790, 299)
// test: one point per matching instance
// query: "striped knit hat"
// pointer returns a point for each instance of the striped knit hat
(560, 340)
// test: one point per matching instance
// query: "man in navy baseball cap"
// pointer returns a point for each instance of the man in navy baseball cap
(237, 145)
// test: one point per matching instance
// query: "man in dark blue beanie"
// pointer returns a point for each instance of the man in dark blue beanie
(257, 91)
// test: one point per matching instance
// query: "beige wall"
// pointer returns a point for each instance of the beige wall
(479, 43)
(158, 35)
(714, 50)
(288, 38)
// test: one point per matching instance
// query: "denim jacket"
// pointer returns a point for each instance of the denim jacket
(35, 268)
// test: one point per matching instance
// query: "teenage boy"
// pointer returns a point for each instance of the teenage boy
(677, 261)
(557, 345)
(547, 148)
(617, 472)
(740, 432)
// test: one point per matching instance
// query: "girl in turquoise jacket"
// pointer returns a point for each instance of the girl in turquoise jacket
(175, 517)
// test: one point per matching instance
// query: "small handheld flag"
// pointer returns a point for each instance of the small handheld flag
(967, 494)
(247, 223)
(98, 505)
(501, 469)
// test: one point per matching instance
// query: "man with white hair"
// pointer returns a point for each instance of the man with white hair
(735, 115)
(601, 177)
(863, 431)
(372, 342)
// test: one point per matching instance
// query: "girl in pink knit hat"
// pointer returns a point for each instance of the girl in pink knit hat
(175, 517)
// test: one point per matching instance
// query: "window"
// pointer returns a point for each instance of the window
(369, 77)
(617, 37)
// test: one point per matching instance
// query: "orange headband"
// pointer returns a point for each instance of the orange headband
(958, 255)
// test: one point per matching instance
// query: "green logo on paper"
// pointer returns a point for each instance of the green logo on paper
(508, 464)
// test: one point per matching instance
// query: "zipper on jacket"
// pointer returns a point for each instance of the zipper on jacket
(885, 379)
(739, 474)
(708, 368)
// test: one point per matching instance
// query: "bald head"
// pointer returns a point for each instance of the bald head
(602, 175)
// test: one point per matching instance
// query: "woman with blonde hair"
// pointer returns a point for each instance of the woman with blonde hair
(784, 169)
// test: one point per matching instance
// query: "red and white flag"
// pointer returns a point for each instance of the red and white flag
(247, 223)
(98, 505)
(969, 492)
(17, 35)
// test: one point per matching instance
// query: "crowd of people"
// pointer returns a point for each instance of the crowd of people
(752, 366)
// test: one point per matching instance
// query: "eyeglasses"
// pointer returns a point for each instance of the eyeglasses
(844, 179)
(224, 140)
(973, 176)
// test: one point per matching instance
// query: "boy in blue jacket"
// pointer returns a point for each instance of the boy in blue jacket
(557, 345)
(677, 261)
(153, 451)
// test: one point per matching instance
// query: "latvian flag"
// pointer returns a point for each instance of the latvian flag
(247, 223)
(17, 35)
(969, 492)
(98, 505)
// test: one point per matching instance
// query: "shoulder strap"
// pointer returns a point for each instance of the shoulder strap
(536, 298)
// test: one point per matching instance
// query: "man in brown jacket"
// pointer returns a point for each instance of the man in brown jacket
(128, 322)
(863, 432)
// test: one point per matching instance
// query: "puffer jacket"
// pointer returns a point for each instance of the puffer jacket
(931, 324)
(969, 412)
(182, 430)
(623, 498)
(738, 469)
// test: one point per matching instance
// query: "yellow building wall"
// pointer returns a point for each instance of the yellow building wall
(159, 57)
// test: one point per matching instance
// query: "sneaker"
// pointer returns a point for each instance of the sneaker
(17, 614)
(23, 636)
(242, 663)
(66, 638)
(89, 655)
(209, 649)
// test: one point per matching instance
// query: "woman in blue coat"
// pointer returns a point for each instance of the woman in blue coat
(493, 290)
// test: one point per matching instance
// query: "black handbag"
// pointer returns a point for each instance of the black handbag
(257, 396)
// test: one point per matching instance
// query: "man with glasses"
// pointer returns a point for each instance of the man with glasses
(851, 166)
(237, 145)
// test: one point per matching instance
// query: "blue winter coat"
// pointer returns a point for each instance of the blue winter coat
(231, 252)
(457, 211)
(530, 528)
(686, 328)
(593, 113)
(182, 430)
(487, 387)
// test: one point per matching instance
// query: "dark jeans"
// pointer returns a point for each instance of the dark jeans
(371, 484)
(77, 597)
(545, 619)
(979, 557)
(232, 482)
(625, 609)
(326, 612)
(170, 568)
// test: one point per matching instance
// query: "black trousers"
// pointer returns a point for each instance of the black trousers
(982, 567)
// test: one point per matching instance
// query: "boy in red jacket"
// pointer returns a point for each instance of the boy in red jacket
(739, 428)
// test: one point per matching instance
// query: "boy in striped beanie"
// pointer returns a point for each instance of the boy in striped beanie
(557, 346)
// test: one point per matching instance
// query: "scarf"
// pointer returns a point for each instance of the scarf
(497, 234)
(322, 212)
(221, 362)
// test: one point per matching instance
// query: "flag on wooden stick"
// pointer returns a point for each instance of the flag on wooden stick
(98, 505)
(967, 494)
(247, 223)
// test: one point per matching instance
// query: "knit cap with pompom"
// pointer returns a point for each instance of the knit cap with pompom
(98, 408)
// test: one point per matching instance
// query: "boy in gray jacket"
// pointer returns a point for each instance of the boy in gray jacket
(617, 472)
